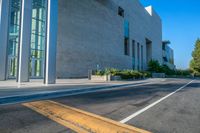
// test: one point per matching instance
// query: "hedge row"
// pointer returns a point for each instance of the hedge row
(124, 74)
(155, 67)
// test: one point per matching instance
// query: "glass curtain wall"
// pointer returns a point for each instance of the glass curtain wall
(38, 39)
(13, 38)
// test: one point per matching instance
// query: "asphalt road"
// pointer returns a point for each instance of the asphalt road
(179, 113)
(19, 119)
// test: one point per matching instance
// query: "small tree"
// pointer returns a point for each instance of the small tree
(195, 62)
(154, 66)
(167, 70)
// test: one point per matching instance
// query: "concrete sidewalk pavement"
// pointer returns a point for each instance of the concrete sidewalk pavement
(12, 92)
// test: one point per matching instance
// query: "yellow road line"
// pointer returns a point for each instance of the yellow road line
(78, 120)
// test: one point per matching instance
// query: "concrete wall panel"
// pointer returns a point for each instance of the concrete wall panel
(91, 33)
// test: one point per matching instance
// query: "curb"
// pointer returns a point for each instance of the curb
(72, 92)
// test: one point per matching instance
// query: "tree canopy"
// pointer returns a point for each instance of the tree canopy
(195, 62)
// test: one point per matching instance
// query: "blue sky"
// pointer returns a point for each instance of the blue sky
(181, 25)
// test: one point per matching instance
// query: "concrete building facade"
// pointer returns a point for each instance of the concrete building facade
(94, 33)
(52, 39)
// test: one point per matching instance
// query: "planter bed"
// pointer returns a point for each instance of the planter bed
(104, 78)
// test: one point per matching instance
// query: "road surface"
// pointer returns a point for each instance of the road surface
(169, 106)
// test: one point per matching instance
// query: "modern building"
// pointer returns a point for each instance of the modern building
(168, 55)
(65, 38)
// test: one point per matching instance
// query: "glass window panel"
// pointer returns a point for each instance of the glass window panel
(13, 38)
(38, 38)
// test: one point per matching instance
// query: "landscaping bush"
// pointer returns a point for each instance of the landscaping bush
(154, 66)
(132, 74)
(111, 71)
(165, 69)
(124, 74)
(146, 74)
(99, 73)
(183, 72)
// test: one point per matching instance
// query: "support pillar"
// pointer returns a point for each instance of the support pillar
(51, 42)
(4, 17)
(25, 41)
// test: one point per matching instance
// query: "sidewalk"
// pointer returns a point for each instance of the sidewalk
(12, 92)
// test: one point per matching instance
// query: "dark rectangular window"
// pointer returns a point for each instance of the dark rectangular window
(138, 55)
(126, 28)
(133, 53)
(163, 47)
(126, 38)
(133, 49)
(126, 46)
(142, 58)
(148, 50)
(121, 11)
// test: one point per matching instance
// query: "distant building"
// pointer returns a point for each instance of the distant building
(65, 38)
(168, 55)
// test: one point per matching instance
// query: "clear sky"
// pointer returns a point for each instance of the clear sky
(181, 25)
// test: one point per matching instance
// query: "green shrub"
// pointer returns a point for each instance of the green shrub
(99, 72)
(146, 74)
(130, 74)
(154, 66)
(165, 69)
(124, 74)
(183, 72)
(137, 74)
(133, 74)
(112, 71)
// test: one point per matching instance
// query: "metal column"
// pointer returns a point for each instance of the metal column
(25, 41)
(51, 42)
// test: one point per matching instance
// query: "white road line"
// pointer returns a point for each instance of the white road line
(151, 105)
